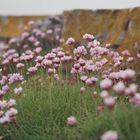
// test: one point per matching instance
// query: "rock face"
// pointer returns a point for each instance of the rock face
(14, 25)
(121, 28)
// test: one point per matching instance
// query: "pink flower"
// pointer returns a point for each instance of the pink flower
(60, 54)
(56, 60)
(128, 74)
(135, 99)
(82, 90)
(51, 71)
(110, 135)
(12, 40)
(2, 93)
(50, 31)
(88, 37)
(37, 50)
(93, 44)
(3, 80)
(31, 23)
(131, 90)
(81, 50)
(56, 77)
(32, 39)
(84, 78)
(91, 81)
(130, 59)
(104, 94)
(125, 52)
(107, 45)
(77, 66)
(46, 63)
(37, 43)
(71, 121)
(32, 70)
(15, 77)
(20, 65)
(10, 115)
(5, 88)
(3, 104)
(39, 59)
(24, 35)
(11, 102)
(18, 91)
(50, 56)
(138, 55)
(11, 112)
(106, 84)
(109, 102)
(70, 41)
(119, 88)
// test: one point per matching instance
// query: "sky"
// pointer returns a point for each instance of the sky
(43, 7)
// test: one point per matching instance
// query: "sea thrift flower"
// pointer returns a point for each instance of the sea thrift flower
(110, 135)
(128, 74)
(95, 94)
(99, 108)
(32, 39)
(31, 23)
(51, 71)
(5, 88)
(71, 121)
(12, 41)
(84, 78)
(3, 80)
(130, 59)
(70, 41)
(88, 37)
(106, 84)
(104, 94)
(93, 44)
(37, 43)
(18, 91)
(135, 99)
(82, 90)
(131, 90)
(11, 102)
(107, 45)
(109, 102)
(50, 31)
(125, 53)
(15, 77)
(138, 55)
(32, 70)
(20, 65)
(81, 50)
(37, 50)
(56, 77)
(119, 88)
(11, 115)
(2, 93)
(91, 81)
(3, 104)
(24, 35)
(39, 59)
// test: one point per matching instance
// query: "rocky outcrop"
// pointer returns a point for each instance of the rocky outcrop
(121, 28)
(14, 25)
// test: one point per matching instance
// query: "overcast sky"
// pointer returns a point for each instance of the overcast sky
(33, 7)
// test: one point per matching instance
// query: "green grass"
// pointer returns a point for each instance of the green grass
(43, 110)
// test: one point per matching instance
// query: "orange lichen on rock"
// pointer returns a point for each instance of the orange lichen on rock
(14, 25)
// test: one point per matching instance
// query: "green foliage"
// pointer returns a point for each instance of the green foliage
(43, 110)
